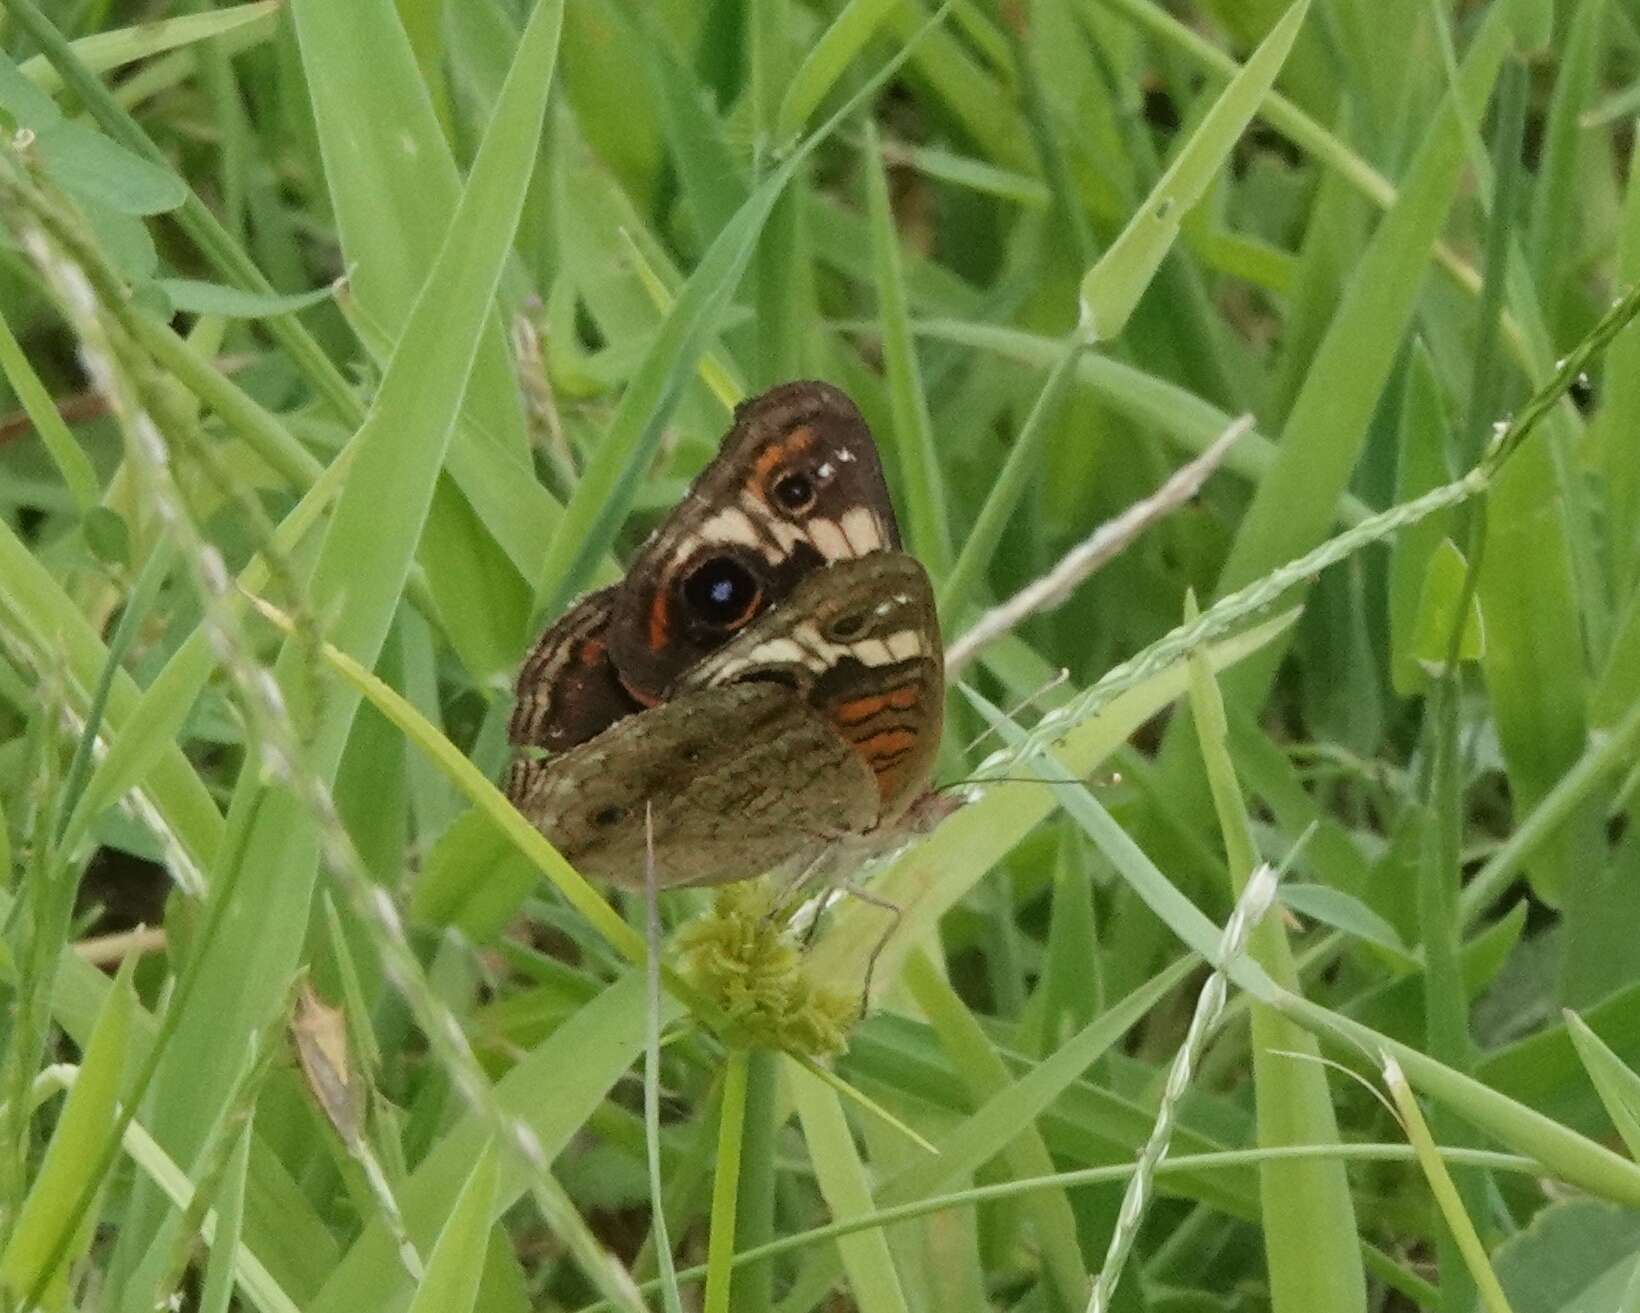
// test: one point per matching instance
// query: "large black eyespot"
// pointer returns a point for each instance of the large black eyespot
(605, 817)
(722, 592)
(794, 491)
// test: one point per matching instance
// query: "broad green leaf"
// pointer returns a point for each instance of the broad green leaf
(1573, 1258)
(90, 165)
(27, 105)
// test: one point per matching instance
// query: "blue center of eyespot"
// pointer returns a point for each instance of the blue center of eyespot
(720, 591)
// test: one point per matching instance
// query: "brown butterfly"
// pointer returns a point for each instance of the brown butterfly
(767, 681)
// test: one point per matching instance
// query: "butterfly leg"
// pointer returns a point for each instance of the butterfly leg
(789, 883)
(896, 913)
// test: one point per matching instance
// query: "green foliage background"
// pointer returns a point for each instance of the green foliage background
(408, 318)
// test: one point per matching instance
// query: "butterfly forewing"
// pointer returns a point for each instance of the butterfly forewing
(796, 485)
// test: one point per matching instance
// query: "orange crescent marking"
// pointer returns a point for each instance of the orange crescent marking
(798, 439)
(660, 625)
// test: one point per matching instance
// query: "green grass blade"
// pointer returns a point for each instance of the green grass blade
(357, 585)
(217, 1283)
(1440, 1181)
(928, 531)
(930, 879)
(1308, 1217)
(1112, 288)
(103, 51)
(609, 482)
(214, 241)
(1322, 438)
(826, 61)
(1618, 1086)
(72, 463)
(450, 1283)
(555, 1088)
(71, 1159)
(845, 1184)
(726, 1185)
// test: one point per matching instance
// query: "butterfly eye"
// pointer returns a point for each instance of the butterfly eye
(722, 592)
(795, 492)
(605, 817)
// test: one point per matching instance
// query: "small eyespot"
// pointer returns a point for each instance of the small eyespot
(605, 817)
(722, 592)
(795, 492)
(847, 627)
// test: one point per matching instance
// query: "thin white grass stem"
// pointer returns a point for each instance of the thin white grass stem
(1183, 1165)
(652, 1068)
(1250, 909)
(1055, 587)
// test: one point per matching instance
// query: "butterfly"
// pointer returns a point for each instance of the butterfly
(766, 684)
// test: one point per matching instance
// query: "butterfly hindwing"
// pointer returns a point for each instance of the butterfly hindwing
(860, 643)
(740, 780)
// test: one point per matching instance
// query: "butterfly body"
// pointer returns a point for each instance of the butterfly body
(766, 683)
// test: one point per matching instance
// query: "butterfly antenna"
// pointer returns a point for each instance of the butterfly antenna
(1013, 712)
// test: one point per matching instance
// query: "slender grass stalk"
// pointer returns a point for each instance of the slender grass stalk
(720, 1239)
(1251, 906)
(1445, 1191)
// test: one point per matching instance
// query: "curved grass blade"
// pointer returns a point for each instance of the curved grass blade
(609, 483)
